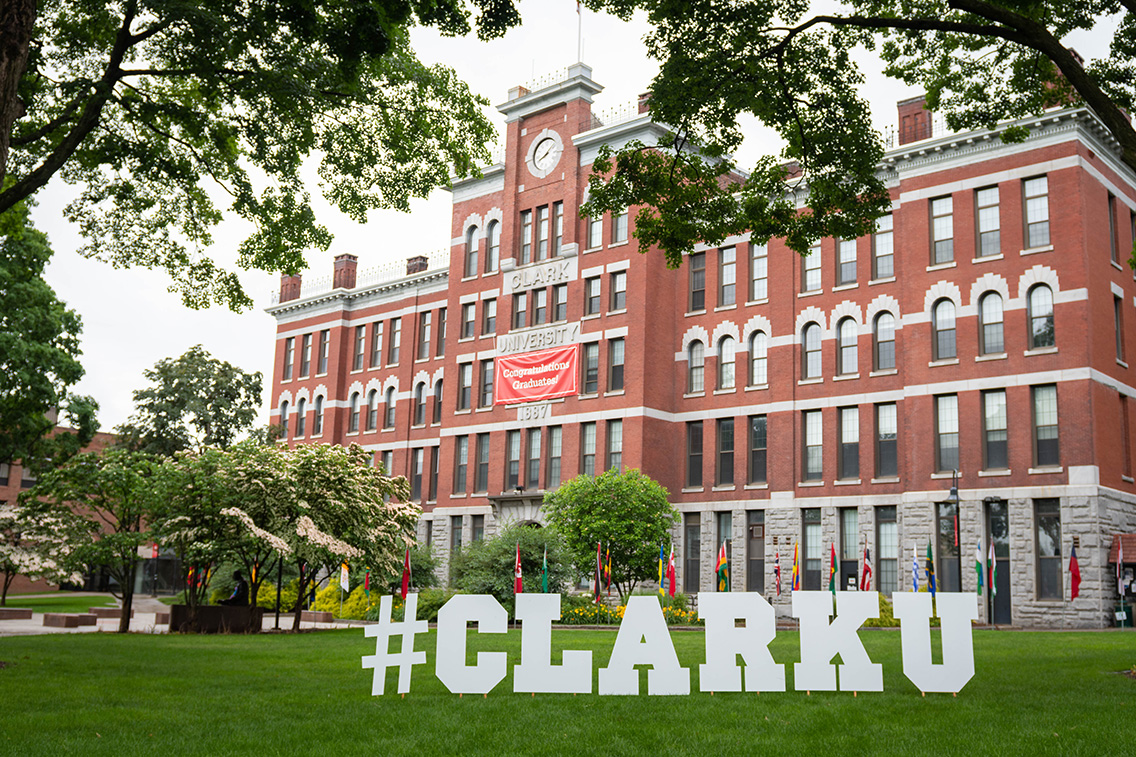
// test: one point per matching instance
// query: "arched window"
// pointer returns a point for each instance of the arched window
(301, 417)
(317, 419)
(943, 330)
(438, 401)
(695, 357)
(471, 241)
(372, 409)
(493, 248)
(1040, 304)
(883, 329)
(389, 423)
(758, 359)
(420, 404)
(847, 335)
(810, 338)
(353, 419)
(727, 348)
(990, 335)
(284, 418)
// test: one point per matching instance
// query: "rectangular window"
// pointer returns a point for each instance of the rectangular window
(989, 223)
(615, 445)
(1113, 240)
(811, 548)
(1036, 193)
(477, 528)
(465, 385)
(595, 232)
(694, 454)
(557, 227)
(727, 275)
(887, 454)
(725, 529)
(395, 341)
(542, 232)
(849, 535)
(512, 460)
(1125, 437)
(489, 317)
(532, 460)
(441, 332)
(883, 261)
(359, 348)
(1047, 513)
(591, 296)
(849, 460)
(289, 353)
(845, 262)
(814, 457)
(615, 357)
(942, 231)
(758, 273)
(810, 269)
(520, 310)
(591, 368)
(724, 475)
(887, 550)
(456, 533)
(1045, 448)
(5, 471)
(485, 386)
(697, 265)
(588, 449)
(540, 307)
(461, 463)
(424, 335)
(468, 317)
(692, 548)
(995, 452)
(946, 433)
(526, 236)
(1118, 322)
(305, 355)
(619, 290)
(948, 563)
(619, 227)
(416, 473)
(758, 449)
(376, 344)
(555, 451)
(324, 348)
(755, 551)
(481, 473)
(559, 303)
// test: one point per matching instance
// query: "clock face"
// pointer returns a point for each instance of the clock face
(546, 155)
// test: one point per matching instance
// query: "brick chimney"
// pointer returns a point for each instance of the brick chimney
(416, 264)
(344, 276)
(289, 287)
(914, 120)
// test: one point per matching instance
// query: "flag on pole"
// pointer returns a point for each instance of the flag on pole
(1074, 574)
(405, 574)
(914, 568)
(343, 583)
(978, 564)
(517, 584)
(671, 572)
(662, 568)
(544, 572)
(1120, 571)
(866, 572)
(777, 571)
(930, 570)
(607, 569)
(599, 570)
(254, 566)
(992, 568)
(832, 568)
(795, 581)
(367, 584)
(722, 569)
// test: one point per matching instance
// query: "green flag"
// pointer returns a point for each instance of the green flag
(544, 574)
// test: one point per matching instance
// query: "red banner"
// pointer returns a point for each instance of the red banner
(535, 376)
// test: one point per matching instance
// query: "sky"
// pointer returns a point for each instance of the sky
(131, 321)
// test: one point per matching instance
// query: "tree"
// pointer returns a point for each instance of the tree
(39, 354)
(487, 566)
(104, 503)
(157, 108)
(627, 512)
(197, 401)
(980, 61)
(36, 548)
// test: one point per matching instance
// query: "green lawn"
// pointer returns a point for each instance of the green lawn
(61, 602)
(94, 694)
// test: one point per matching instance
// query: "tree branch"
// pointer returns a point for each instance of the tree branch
(63, 117)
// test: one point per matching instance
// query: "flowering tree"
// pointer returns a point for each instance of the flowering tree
(36, 548)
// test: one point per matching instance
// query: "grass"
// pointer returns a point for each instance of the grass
(106, 694)
(60, 602)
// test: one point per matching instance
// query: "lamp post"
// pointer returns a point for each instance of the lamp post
(955, 498)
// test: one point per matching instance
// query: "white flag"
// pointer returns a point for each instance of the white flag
(343, 578)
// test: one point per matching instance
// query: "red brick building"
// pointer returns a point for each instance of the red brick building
(986, 328)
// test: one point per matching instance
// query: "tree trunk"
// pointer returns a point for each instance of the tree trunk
(297, 611)
(127, 601)
(8, 578)
(17, 21)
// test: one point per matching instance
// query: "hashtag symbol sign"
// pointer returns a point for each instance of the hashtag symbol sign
(383, 631)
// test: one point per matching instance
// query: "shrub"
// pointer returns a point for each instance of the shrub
(486, 566)
(590, 614)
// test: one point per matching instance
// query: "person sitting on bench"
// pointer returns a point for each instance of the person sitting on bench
(240, 595)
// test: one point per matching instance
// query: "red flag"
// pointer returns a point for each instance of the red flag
(1074, 575)
(406, 574)
(517, 584)
(671, 573)
(607, 570)
(777, 571)
(866, 573)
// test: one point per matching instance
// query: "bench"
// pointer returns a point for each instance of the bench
(316, 616)
(15, 613)
(214, 619)
(161, 618)
(60, 620)
(109, 612)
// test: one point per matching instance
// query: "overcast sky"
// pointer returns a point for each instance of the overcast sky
(130, 320)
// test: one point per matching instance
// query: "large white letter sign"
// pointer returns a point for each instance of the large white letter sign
(724, 642)
(643, 639)
(536, 671)
(383, 630)
(956, 610)
(821, 641)
(449, 657)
